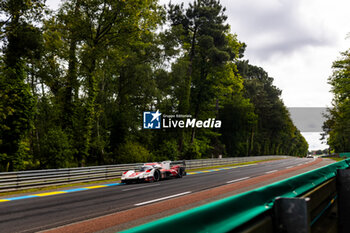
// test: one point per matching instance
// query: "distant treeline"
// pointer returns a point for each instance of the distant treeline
(75, 82)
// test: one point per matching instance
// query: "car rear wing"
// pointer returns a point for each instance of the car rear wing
(181, 163)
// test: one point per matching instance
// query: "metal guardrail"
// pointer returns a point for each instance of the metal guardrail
(322, 209)
(11, 181)
(317, 201)
(307, 213)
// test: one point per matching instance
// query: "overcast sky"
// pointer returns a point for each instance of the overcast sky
(295, 41)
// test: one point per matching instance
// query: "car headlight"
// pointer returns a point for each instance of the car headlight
(144, 176)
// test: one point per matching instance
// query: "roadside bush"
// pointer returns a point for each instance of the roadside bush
(167, 151)
(55, 150)
(132, 152)
(192, 150)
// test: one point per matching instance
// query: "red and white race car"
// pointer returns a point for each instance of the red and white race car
(152, 172)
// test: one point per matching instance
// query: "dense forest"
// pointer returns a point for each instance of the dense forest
(337, 125)
(75, 82)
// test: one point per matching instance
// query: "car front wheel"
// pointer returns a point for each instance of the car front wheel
(156, 175)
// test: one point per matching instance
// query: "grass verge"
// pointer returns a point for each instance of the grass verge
(228, 165)
(336, 158)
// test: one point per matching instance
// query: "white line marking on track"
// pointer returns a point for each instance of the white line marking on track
(300, 164)
(246, 165)
(289, 167)
(140, 187)
(162, 198)
(232, 181)
(271, 171)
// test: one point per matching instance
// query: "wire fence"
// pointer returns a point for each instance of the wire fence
(12, 181)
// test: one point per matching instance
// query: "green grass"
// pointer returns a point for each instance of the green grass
(336, 158)
(228, 165)
(118, 179)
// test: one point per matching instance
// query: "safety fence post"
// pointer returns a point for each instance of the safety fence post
(343, 188)
(292, 215)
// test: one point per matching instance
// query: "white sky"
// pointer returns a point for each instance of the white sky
(295, 41)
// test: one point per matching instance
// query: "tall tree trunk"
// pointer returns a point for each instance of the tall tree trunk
(72, 84)
(251, 147)
(90, 110)
(184, 104)
(203, 76)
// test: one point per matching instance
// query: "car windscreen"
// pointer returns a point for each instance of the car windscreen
(143, 168)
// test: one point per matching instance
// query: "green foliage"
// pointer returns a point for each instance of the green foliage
(132, 152)
(238, 124)
(192, 150)
(337, 125)
(208, 54)
(167, 151)
(274, 132)
(55, 149)
(22, 42)
(73, 91)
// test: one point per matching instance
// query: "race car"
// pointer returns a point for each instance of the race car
(153, 172)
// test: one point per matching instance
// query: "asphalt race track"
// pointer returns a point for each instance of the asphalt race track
(35, 214)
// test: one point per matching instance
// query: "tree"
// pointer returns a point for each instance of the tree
(104, 44)
(337, 125)
(207, 54)
(21, 41)
(275, 132)
(73, 91)
(238, 125)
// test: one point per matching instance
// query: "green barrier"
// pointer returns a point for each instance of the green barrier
(227, 214)
(345, 154)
